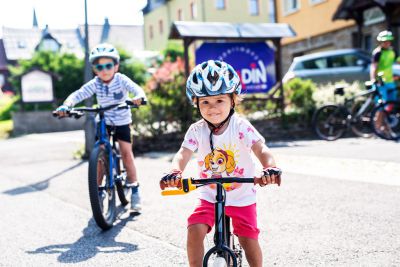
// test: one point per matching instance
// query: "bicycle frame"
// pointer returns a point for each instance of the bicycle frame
(103, 140)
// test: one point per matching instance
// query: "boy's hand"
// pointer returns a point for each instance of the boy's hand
(62, 110)
(271, 175)
(172, 179)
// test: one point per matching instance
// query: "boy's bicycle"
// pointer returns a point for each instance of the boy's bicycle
(226, 250)
(105, 168)
(331, 121)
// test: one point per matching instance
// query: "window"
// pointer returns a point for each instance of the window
(373, 15)
(220, 4)
(254, 7)
(290, 6)
(160, 26)
(193, 10)
(318, 63)
(180, 14)
(367, 42)
(340, 61)
(21, 44)
(314, 2)
(49, 45)
(151, 32)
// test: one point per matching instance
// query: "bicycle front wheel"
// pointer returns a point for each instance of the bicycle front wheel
(386, 120)
(329, 122)
(101, 190)
(123, 191)
(361, 123)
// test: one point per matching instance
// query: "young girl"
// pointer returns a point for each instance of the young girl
(112, 87)
(224, 142)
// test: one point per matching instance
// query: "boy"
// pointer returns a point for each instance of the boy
(112, 87)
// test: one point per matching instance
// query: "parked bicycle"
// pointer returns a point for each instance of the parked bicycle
(331, 121)
(226, 250)
(105, 168)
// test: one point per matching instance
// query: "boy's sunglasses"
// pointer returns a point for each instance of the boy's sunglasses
(107, 66)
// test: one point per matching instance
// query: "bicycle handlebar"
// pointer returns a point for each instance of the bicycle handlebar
(79, 112)
(185, 185)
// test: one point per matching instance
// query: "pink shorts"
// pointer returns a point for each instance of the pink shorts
(244, 219)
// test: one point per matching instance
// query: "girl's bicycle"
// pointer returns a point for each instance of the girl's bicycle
(105, 168)
(226, 250)
(331, 121)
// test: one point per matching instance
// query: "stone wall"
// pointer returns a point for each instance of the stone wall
(43, 122)
(272, 130)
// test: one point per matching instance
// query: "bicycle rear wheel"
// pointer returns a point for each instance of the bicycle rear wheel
(361, 123)
(386, 120)
(102, 195)
(329, 122)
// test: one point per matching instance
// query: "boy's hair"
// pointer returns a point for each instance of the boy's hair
(96, 61)
(236, 99)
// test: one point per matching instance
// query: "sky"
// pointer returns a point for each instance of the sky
(68, 14)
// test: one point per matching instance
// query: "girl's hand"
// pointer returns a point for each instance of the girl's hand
(271, 175)
(172, 179)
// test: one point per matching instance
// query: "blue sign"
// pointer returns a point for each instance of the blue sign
(254, 63)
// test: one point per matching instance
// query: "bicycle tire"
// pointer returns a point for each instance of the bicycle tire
(361, 126)
(329, 122)
(122, 191)
(103, 217)
(388, 125)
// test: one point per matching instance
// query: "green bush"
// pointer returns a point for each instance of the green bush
(7, 105)
(173, 51)
(168, 109)
(67, 67)
(324, 94)
(298, 97)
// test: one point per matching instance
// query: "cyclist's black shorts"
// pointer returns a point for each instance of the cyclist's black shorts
(122, 132)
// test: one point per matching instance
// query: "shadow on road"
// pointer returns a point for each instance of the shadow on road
(93, 241)
(40, 186)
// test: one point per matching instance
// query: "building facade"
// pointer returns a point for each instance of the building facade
(159, 15)
(312, 21)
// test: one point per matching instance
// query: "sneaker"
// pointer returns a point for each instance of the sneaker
(135, 200)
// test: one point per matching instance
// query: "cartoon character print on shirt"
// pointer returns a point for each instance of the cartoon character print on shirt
(221, 163)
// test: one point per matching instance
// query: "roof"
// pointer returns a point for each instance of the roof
(21, 43)
(350, 9)
(223, 30)
(129, 37)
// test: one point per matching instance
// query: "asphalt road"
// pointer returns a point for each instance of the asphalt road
(338, 206)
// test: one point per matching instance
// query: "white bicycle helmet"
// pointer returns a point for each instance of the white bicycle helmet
(384, 36)
(212, 78)
(104, 50)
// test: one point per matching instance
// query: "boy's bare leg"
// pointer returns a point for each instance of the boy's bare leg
(252, 250)
(195, 246)
(128, 160)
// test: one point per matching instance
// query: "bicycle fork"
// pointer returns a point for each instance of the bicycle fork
(221, 247)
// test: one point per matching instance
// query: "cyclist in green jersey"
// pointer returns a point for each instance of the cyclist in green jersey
(383, 58)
